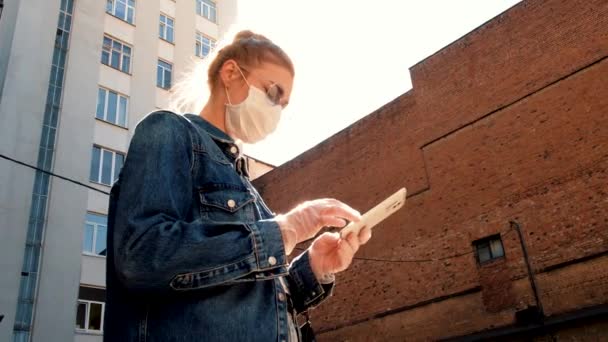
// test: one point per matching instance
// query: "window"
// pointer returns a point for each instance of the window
(206, 9)
(165, 28)
(112, 107)
(122, 9)
(91, 306)
(105, 165)
(163, 74)
(204, 45)
(95, 232)
(489, 249)
(116, 54)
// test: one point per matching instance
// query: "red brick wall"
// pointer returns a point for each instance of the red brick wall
(508, 123)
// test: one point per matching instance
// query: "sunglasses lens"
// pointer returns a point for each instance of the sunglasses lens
(274, 94)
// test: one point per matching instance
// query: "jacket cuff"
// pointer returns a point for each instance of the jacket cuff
(306, 290)
(269, 247)
(267, 260)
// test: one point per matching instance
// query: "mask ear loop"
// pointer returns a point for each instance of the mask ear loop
(244, 78)
(227, 96)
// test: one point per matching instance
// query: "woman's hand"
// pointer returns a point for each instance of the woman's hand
(331, 254)
(304, 221)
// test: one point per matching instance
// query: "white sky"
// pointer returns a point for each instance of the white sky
(351, 57)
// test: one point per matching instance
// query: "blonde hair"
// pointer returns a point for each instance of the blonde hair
(247, 49)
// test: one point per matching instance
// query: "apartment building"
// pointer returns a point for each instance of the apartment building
(75, 78)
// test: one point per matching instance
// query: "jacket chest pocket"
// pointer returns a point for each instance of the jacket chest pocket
(226, 203)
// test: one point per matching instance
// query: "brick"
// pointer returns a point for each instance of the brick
(509, 123)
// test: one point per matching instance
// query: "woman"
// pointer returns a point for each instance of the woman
(194, 254)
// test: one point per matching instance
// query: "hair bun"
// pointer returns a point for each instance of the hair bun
(247, 34)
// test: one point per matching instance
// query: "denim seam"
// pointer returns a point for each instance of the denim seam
(281, 246)
(233, 210)
(276, 304)
(259, 245)
(208, 271)
(192, 161)
(219, 154)
(255, 246)
(214, 158)
(227, 281)
(274, 267)
(215, 268)
(260, 277)
(188, 129)
(233, 280)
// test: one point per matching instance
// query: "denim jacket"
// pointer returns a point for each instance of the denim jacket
(194, 254)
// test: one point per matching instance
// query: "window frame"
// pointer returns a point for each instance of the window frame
(165, 27)
(197, 41)
(119, 96)
(112, 12)
(163, 74)
(122, 54)
(88, 303)
(100, 170)
(487, 242)
(200, 4)
(95, 230)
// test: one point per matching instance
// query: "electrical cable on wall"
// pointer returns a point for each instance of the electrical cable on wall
(297, 248)
(54, 174)
(503, 233)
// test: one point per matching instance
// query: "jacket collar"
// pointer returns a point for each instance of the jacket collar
(214, 132)
(226, 143)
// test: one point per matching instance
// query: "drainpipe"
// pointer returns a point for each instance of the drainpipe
(517, 227)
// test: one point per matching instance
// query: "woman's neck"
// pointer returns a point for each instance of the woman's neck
(214, 112)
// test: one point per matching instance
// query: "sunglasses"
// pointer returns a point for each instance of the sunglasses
(274, 92)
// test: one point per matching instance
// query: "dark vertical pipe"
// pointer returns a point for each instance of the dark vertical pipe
(517, 227)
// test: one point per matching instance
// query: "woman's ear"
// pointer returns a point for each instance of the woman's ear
(228, 72)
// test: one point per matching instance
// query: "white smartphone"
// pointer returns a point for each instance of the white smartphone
(377, 214)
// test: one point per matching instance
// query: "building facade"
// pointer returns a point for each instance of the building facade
(503, 146)
(76, 76)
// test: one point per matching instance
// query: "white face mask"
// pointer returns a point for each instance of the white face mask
(253, 119)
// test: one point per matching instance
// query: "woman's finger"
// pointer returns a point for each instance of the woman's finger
(341, 213)
(332, 221)
(337, 208)
(364, 235)
(327, 241)
(353, 242)
(345, 247)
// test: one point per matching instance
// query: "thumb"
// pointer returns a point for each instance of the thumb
(326, 241)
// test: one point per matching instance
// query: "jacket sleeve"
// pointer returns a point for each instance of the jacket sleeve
(306, 291)
(156, 245)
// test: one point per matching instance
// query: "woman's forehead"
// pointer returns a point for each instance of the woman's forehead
(272, 69)
(275, 73)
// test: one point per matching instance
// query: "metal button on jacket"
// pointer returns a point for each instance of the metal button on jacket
(234, 149)
(272, 261)
(245, 222)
